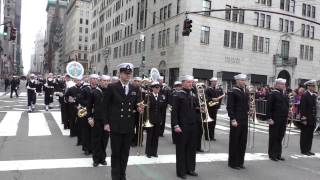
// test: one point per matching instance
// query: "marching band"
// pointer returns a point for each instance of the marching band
(96, 108)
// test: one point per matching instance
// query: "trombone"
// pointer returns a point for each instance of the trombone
(252, 117)
(144, 118)
(204, 120)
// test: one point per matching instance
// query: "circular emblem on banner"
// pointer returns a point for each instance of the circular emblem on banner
(75, 69)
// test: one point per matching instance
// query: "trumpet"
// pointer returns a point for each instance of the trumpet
(82, 112)
(252, 116)
(204, 120)
(215, 101)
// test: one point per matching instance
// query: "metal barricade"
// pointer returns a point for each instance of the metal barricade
(261, 107)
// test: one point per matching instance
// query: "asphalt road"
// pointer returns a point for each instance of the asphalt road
(34, 146)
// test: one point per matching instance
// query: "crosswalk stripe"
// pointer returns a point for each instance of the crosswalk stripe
(38, 125)
(9, 124)
(23, 165)
(22, 94)
(2, 93)
(57, 117)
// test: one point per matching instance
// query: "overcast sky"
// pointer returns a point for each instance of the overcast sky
(33, 20)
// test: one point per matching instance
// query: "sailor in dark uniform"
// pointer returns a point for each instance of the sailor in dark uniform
(137, 83)
(72, 96)
(59, 87)
(184, 119)
(121, 101)
(238, 108)
(96, 116)
(177, 85)
(155, 104)
(308, 111)
(31, 92)
(215, 95)
(277, 113)
(48, 89)
(165, 93)
(68, 83)
(14, 83)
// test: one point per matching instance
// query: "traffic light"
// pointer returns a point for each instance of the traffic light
(5, 30)
(187, 25)
(13, 34)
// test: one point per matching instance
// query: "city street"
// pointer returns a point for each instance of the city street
(34, 146)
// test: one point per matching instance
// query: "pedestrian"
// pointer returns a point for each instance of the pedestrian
(121, 101)
(277, 115)
(238, 108)
(14, 86)
(31, 92)
(48, 89)
(184, 119)
(308, 112)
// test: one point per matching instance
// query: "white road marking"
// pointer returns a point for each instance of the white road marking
(2, 93)
(38, 125)
(57, 117)
(22, 165)
(9, 124)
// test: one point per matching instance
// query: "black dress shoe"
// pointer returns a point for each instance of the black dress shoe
(311, 153)
(281, 159)
(182, 176)
(148, 156)
(104, 163)
(307, 154)
(155, 155)
(235, 167)
(86, 153)
(273, 159)
(242, 167)
(200, 150)
(213, 139)
(95, 164)
(192, 173)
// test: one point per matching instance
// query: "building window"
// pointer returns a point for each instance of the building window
(176, 34)
(268, 22)
(136, 47)
(241, 17)
(228, 12)
(240, 40)
(291, 26)
(165, 12)
(262, 20)
(233, 39)
(178, 6)
(159, 39)
(87, 22)
(286, 25)
(311, 53)
(285, 47)
(267, 45)
(152, 41)
(80, 20)
(261, 44)
(312, 32)
(86, 30)
(235, 15)
(256, 14)
(280, 24)
(304, 9)
(226, 38)
(80, 29)
(303, 29)
(80, 38)
(154, 18)
(168, 37)
(163, 38)
(206, 7)
(205, 35)
(301, 51)
(313, 12)
(169, 10)
(161, 14)
(255, 43)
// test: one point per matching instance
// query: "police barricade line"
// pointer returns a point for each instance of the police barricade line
(264, 126)
(10, 122)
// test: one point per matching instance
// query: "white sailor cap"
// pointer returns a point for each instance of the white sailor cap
(311, 82)
(186, 78)
(137, 79)
(177, 83)
(50, 74)
(79, 78)
(94, 76)
(32, 75)
(125, 67)
(161, 77)
(281, 80)
(105, 77)
(114, 78)
(214, 79)
(155, 84)
(240, 77)
(196, 80)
